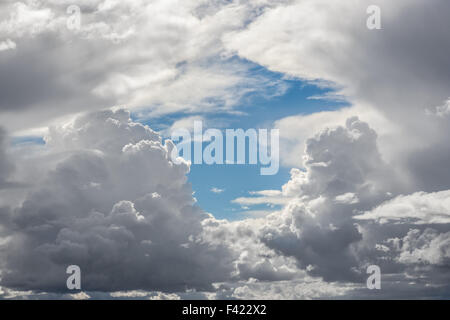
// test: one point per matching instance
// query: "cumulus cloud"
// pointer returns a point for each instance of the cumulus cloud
(427, 247)
(112, 202)
(315, 228)
(109, 199)
(339, 219)
(115, 205)
(297, 129)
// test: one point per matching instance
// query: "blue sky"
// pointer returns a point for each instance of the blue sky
(259, 111)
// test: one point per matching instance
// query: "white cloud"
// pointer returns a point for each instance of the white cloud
(312, 227)
(347, 198)
(427, 247)
(8, 44)
(217, 190)
(270, 197)
(129, 294)
(442, 110)
(295, 130)
(165, 296)
(417, 208)
(80, 296)
(305, 289)
(163, 56)
(384, 72)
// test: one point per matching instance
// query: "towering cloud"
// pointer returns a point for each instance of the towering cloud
(115, 205)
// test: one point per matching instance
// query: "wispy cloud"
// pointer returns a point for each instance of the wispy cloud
(217, 190)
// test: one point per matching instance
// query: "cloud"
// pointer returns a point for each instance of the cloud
(417, 208)
(339, 218)
(391, 88)
(297, 129)
(289, 290)
(442, 110)
(160, 60)
(80, 296)
(8, 44)
(108, 198)
(427, 247)
(251, 257)
(6, 165)
(335, 44)
(387, 72)
(217, 190)
(313, 227)
(348, 197)
(269, 197)
(112, 203)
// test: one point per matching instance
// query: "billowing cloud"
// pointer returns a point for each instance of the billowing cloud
(111, 201)
(115, 205)
(315, 228)
(427, 247)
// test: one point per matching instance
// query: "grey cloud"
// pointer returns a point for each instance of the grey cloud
(123, 54)
(418, 208)
(313, 228)
(6, 165)
(116, 206)
(399, 71)
(392, 76)
(42, 74)
(338, 240)
(428, 247)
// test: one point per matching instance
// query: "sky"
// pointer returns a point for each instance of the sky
(90, 92)
(259, 110)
